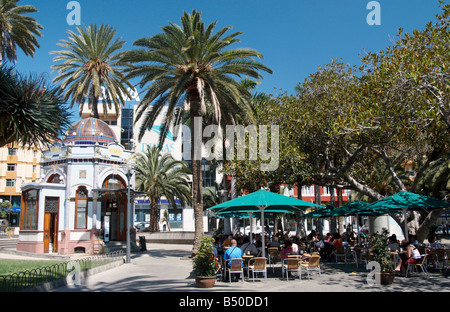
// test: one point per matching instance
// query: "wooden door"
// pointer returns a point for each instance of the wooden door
(47, 221)
(51, 223)
(50, 231)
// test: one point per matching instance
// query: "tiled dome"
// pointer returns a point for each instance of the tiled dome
(90, 131)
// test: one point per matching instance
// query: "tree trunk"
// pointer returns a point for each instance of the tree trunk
(300, 216)
(153, 216)
(94, 107)
(197, 197)
(318, 201)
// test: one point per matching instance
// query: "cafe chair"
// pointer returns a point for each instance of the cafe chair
(438, 258)
(422, 264)
(236, 267)
(274, 257)
(291, 264)
(258, 265)
(313, 264)
(339, 252)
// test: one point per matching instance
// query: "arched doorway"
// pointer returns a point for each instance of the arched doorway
(114, 208)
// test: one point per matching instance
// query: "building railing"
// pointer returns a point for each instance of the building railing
(25, 280)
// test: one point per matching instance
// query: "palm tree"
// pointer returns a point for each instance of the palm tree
(191, 65)
(89, 62)
(160, 175)
(31, 111)
(17, 30)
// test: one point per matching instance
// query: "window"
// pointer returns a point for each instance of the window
(10, 182)
(34, 168)
(11, 167)
(81, 200)
(30, 205)
(12, 151)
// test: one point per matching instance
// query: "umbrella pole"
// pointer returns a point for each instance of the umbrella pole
(263, 238)
(406, 224)
(357, 230)
(251, 225)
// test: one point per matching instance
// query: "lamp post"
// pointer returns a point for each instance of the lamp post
(128, 174)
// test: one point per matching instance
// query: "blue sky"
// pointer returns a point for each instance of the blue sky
(294, 36)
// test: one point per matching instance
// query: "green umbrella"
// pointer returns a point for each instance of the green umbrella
(320, 213)
(351, 209)
(263, 200)
(249, 214)
(403, 201)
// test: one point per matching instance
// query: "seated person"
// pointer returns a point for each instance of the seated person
(286, 250)
(227, 241)
(393, 245)
(249, 248)
(234, 252)
(409, 254)
(337, 241)
(413, 240)
(274, 242)
(433, 242)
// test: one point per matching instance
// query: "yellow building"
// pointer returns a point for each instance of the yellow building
(18, 165)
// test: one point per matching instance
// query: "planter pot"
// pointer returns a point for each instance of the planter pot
(205, 281)
(384, 278)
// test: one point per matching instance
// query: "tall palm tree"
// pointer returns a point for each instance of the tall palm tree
(189, 64)
(17, 30)
(89, 62)
(31, 111)
(160, 175)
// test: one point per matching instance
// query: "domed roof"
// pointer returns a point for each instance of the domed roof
(90, 131)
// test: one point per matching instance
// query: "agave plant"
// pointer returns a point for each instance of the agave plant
(31, 111)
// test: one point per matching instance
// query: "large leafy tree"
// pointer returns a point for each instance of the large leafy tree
(90, 61)
(17, 30)
(32, 112)
(162, 176)
(191, 66)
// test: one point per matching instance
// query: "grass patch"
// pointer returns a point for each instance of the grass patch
(17, 266)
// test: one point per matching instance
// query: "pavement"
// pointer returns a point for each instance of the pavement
(167, 268)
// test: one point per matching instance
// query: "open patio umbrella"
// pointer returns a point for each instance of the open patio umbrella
(320, 213)
(403, 201)
(263, 200)
(249, 214)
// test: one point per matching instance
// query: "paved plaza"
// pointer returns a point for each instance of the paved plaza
(167, 268)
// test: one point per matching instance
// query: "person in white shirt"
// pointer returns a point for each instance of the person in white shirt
(409, 254)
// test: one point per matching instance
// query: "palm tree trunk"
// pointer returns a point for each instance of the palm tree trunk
(197, 179)
(95, 107)
(153, 216)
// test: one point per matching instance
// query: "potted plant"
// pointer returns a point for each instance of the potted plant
(381, 255)
(204, 264)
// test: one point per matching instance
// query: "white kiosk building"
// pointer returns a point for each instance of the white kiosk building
(82, 194)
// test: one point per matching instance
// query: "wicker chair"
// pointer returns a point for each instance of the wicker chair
(313, 264)
(258, 265)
